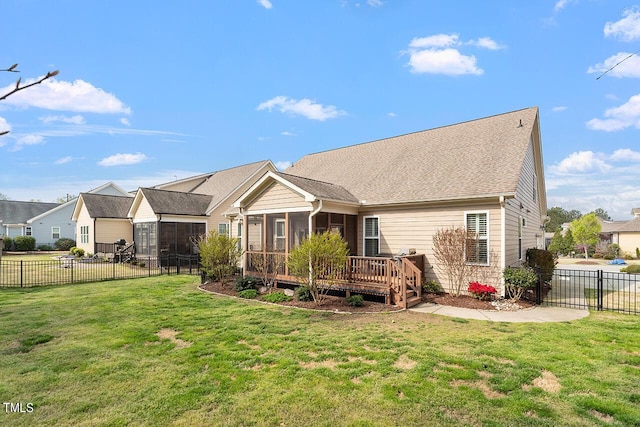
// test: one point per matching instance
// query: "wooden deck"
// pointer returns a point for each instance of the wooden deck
(398, 280)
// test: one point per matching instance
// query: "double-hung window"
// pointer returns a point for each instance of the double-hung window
(84, 234)
(477, 248)
(223, 229)
(28, 231)
(55, 233)
(371, 235)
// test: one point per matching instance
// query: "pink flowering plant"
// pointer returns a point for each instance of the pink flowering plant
(480, 291)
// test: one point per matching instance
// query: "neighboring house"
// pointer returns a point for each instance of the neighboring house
(58, 222)
(15, 216)
(625, 233)
(168, 216)
(101, 220)
(389, 196)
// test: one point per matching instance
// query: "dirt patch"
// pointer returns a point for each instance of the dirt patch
(170, 334)
(466, 301)
(405, 363)
(602, 417)
(329, 363)
(547, 382)
(481, 385)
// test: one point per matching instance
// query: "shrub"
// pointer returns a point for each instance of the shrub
(518, 280)
(7, 242)
(246, 282)
(613, 251)
(355, 300)
(628, 257)
(142, 263)
(276, 297)
(480, 291)
(248, 293)
(45, 248)
(638, 253)
(219, 254)
(79, 252)
(303, 293)
(631, 269)
(24, 243)
(432, 287)
(64, 244)
(544, 260)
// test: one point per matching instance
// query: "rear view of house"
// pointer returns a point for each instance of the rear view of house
(391, 196)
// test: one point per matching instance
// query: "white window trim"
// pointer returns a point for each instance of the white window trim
(28, 231)
(226, 227)
(488, 238)
(53, 232)
(84, 237)
(364, 233)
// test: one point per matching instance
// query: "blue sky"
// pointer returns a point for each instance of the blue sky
(151, 91)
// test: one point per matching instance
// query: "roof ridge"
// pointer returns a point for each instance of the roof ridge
(417, 132)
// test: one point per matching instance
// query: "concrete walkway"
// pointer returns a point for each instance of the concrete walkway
(537, 314)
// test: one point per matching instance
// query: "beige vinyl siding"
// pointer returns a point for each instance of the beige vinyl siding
(110, 230)
(524, 205)
(415, 228)
(277, 197)
(85, 220)
(628, 242)
(144, 212)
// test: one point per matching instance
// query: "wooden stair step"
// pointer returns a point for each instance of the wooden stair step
(414, 300)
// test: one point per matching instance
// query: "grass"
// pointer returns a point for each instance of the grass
(157, 351)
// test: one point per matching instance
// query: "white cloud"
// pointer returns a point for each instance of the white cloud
(302, 107)
(618, 118)
(4, 125)
(77, 119)
(375, 3)
(561, 4)
(626, 65)
(63, 160)
(125, 121)
(265, 3)
(443, 61)
(287, 133)
(283, 164)
(440, 54)
(486, 43)
(122, 159)
(625, 155)
(626, 29)
(392, 114)
(29, 139)
(581, 162)
(558, 108)
(58, 95)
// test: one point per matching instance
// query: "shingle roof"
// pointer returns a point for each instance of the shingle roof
(471, 159)
(630, 226)
(219, 185)
(176, 202)
(320, 189)
(611, 226)
(105, 206)
(15, 212)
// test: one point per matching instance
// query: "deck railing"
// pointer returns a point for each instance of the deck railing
(402, 276)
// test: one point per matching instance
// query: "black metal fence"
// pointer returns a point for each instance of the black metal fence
(23, 274)
(589, 289)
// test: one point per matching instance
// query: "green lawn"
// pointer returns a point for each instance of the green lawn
(157, 351)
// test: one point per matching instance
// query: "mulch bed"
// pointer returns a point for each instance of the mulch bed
(338, 304)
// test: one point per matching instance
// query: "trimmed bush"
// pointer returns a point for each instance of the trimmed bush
(355, 301)
(248, 293)
(79, 252)
(247, 282)
(7, 242)
(432, 287)
(303, 293)
(276, 297)
(64, 244)
(544, 260)
(45, 248)
(24, 243)
(631, 269)
(518, 280)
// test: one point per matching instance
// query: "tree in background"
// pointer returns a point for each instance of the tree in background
(558, 216)
(319, 260)
(586, 231)
(602, 214)
(3, 197)
(562, 243)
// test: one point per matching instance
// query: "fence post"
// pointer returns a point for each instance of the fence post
(21, 272)
(539, 286)
(600, 289)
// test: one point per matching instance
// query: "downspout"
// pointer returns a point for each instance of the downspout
(243, 245)
(503, 240)
(311, 215)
